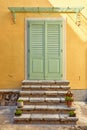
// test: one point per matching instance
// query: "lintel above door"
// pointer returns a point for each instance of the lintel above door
(15, 10)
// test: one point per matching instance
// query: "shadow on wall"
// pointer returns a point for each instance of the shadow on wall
(80, 30)
(77, 52)
(80, 95)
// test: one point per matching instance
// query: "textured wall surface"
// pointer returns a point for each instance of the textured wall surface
(12, 41)
(8, 97)
(80, 95)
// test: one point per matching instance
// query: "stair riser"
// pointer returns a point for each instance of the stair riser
(42, 95)
(45, 89)
(45, 111)
(51, 84)
(45, 122)
(43, 103)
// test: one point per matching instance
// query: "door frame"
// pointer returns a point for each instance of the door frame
(64, 43)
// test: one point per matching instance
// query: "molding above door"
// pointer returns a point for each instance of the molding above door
(15, 10)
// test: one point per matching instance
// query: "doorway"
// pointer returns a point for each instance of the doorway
(45, 49)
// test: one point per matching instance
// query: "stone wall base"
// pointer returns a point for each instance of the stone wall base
(80, 95)
(8, 97)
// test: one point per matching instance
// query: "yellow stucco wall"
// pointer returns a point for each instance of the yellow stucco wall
(77, 54)
(12, 42)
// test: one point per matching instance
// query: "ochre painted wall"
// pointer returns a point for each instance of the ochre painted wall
(12, 44)
(77, 54)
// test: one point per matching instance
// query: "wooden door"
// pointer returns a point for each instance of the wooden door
(45, 50)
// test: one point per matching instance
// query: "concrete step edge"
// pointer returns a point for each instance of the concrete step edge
(42, 99)
(43, 92)
(44, 87)
(61, 117)
(46, 107)
(61, 82)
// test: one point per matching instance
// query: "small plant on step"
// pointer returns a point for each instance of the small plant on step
(72, 114)
(20, 103)
(18, 112)
(69, 101)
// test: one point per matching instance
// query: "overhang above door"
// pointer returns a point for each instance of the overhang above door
(15, 10)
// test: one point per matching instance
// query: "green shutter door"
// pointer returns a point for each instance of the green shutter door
(53, 60)
(36, 58)
(45, 55)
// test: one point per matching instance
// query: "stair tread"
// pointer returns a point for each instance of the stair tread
(35, 99)
(44, 81)
(49, 107)
(65, 117)
(42, 98)
(45, 86)
(31, 86)
(44, 116)
(42, 92)
(62, 117)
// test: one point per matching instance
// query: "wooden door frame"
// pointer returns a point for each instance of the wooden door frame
(64, 43)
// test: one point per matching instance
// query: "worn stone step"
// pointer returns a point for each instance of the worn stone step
(63, 109)
(44, 103)
(42, 93)
(45, 87)
(42, 100)
(45, 119)
(45, 82)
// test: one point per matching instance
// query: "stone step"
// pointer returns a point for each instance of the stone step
(42, 100)
(63, 109)
(45, 87)
(45, 82)
(44, 103)
(45, 119)
(42, 93)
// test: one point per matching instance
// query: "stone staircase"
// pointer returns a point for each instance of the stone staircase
(44, 103)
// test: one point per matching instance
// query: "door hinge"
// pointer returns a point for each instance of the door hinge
(61, 25)
(61, 75)
(28, 50)
(28, 25)
(61, 50)
(28, 75)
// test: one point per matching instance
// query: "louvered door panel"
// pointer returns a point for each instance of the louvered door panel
(53, 50)
(36, 50)
(45, 45)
